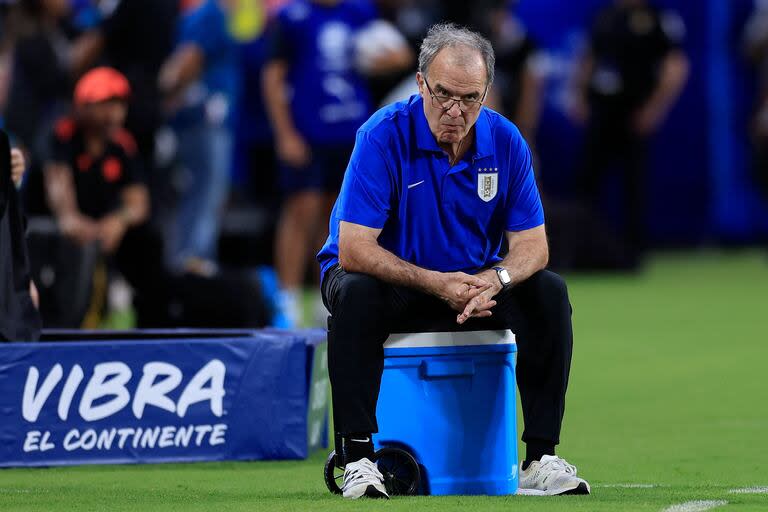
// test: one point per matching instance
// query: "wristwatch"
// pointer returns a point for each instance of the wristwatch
(504, 278)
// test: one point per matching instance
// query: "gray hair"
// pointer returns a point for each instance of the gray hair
(450, 35)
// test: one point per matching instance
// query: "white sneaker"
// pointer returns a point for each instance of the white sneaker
(549, 477)
(362, 478)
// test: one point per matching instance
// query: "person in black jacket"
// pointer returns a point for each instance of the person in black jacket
(755, 39)
(19, 319)
(629, 79)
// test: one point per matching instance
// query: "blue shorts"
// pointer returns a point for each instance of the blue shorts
(325, 171)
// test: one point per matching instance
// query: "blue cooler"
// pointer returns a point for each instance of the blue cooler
(449, 399)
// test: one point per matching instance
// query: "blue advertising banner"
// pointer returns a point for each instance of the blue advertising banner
(160, 400)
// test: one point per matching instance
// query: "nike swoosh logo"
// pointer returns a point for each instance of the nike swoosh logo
(361, 440)
(415, 184)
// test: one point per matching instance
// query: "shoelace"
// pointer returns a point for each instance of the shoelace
(559, 463)
(365, 468)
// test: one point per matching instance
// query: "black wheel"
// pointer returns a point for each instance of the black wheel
(401, 471)
(334, 475)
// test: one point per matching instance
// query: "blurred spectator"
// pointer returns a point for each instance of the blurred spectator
(381, 84)
(201, 79)
(313, 56)
(41, 73)
(756, 46)
(254, 143)
(516, 92)
(632, 74)
(519, 82)
(134, 37)
(92, 171)
(19, 319)
(414, 17)
(94, 189)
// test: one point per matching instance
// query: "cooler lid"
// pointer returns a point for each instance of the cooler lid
(501, 339)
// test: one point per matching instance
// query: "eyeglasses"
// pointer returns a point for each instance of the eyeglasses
(446, 102)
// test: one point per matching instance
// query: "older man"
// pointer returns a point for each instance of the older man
(437, 190)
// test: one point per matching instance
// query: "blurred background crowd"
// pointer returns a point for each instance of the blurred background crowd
(183, 155)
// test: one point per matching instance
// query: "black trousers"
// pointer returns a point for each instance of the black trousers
(611, 145)
(365, 311)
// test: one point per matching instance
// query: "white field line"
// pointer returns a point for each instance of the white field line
(750, 490)
(695, 506)
(627, 486)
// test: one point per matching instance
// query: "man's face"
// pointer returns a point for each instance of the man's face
(56, 8)
(105, 117)
(459, 73)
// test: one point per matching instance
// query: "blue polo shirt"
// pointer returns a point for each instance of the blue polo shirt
(431, 214)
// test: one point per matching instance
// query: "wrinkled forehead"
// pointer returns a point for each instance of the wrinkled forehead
(460, 70)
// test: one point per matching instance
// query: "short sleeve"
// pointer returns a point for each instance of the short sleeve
(129, 156)
(367, 13)
(114, 21)
(279, 45)
(134, 173)
(595, 33)
(367, 190)
(669, 34)
(672, 28)
(524, 209)
(205, 27)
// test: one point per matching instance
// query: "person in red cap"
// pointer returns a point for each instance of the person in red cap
(100, 85)
(95, 191)
(91, 173)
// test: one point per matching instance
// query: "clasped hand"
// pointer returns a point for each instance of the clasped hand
(109, 230)
(472, 296)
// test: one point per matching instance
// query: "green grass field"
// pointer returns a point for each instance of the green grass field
(668, 404)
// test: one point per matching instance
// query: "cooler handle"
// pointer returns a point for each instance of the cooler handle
(454, 368)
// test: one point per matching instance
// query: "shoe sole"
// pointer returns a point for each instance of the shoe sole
(369, 492)
(581, 489)
(373, 492)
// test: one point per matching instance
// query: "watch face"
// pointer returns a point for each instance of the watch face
(504, 276)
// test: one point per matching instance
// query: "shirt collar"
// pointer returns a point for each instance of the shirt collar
(424, 138)
(426, 141)
(483, 137)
